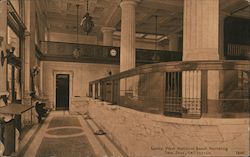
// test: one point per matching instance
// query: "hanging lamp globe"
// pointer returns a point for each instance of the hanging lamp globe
(76, 51)
(87, 23)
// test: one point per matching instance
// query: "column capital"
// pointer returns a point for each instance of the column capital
(107, 29)
(129, 2)
(107, 35)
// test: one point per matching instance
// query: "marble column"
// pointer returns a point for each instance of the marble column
(201, 42)
(173, 42)
(108, 36)
(127, 56)
(127, 48)
(3, 43)
(201, 30)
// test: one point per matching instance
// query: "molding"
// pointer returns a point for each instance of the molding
(129, 2)
(15, 21)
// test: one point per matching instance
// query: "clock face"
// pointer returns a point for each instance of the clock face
(113, 52)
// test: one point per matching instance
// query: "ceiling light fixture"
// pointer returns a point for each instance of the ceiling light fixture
(87, 22)
(76, 52)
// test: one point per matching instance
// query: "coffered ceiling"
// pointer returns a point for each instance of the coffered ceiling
(62, 15)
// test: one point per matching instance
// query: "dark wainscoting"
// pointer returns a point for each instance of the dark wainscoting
(61, 51)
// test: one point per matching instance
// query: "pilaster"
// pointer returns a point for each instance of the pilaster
(29, 55)
(201, 42)
(3, 43)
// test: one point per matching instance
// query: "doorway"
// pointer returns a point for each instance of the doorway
(62, 92)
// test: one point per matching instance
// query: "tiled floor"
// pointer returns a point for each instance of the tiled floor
(61, 121)
(64, 135)
(70, 147)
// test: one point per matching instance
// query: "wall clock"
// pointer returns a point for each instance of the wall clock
(113, 52)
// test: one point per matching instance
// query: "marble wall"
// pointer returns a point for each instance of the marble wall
(145, 134)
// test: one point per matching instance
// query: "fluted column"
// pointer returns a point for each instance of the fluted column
(108, 36)
(173, 42)
(127, 50)
(201, 30)
(201, 42)
(3, 43)
(127, 56)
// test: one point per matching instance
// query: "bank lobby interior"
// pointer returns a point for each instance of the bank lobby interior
(125, 78)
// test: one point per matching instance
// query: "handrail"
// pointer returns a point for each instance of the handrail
(181, 66)
(179, 88)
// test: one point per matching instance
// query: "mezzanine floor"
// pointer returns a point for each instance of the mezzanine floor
(65, 135)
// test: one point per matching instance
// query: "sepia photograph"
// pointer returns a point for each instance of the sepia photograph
(124, 78)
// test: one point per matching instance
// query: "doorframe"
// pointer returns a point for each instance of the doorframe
(71, 76)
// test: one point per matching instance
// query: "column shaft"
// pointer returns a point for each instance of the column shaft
(201, 30)
(127, 56)
(201, 42)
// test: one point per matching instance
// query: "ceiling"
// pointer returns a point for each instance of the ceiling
(62, 15)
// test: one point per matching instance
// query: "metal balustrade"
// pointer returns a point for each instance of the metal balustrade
(237, 51)
(191, 89)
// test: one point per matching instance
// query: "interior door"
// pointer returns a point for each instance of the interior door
(62, 92)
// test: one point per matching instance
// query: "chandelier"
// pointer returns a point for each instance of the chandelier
(76, 52)
(87, 22)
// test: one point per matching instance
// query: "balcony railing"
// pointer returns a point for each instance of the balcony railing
(61, 51)
(236, 51)
(191, 89)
